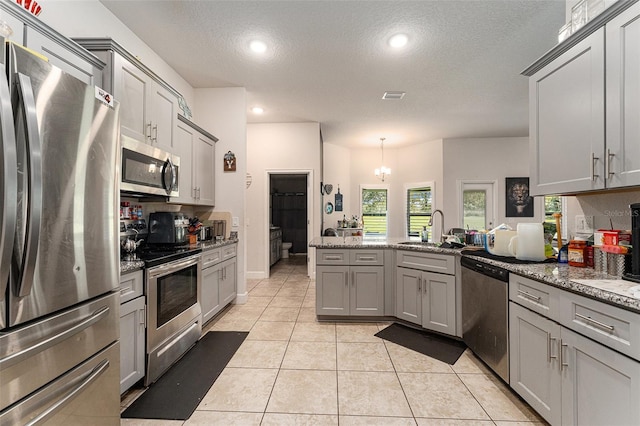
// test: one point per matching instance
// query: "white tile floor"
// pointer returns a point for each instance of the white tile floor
(293, 370)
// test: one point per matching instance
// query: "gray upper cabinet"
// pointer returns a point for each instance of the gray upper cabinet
(65, 54)
(148, 105)
(623, 103)
(583, 107)
(196, 149)
(566, 121)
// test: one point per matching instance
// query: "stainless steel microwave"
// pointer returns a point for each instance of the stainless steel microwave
(148, 170)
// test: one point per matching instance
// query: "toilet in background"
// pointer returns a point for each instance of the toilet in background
(285, 250)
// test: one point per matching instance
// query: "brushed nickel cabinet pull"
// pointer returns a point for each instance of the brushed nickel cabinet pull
(594, 176)
(529, 296)
(595, 322)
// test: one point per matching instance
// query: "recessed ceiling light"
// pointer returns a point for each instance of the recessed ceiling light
(398, 41)
(258, 46)
(257, 110)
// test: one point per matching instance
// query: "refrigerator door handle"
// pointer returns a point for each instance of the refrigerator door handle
(83, 324)
(9, 191)
(34, 209)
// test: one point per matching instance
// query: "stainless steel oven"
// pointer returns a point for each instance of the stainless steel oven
(174, 320)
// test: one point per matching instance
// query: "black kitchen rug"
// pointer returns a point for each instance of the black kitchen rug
(176, 395)
(434, 345)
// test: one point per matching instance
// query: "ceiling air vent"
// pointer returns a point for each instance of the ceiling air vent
(394, 96)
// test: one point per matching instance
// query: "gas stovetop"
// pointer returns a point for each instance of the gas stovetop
(157, 255)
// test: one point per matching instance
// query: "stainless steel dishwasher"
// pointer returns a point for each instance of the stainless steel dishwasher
(485, 313)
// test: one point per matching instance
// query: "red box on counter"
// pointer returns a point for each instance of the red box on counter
(611, 237)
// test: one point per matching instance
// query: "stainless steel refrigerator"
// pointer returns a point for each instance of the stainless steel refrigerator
(59, 271)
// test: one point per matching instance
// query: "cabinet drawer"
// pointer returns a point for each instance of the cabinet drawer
(366, 257)
(614, 327)
(332, 257)
(535, 295)
(228, 252)
(424, 261)
(211, 257)
(131, 286)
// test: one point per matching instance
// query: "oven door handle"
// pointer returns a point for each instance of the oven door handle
(169, 268)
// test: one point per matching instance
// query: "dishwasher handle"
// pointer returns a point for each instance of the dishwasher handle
(492, 271)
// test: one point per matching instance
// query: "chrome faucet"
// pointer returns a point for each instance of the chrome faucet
(441, 223)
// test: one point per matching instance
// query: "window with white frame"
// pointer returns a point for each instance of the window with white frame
(374, 205)
(419, 202)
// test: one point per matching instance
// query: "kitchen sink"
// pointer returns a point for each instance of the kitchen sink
(419, 243)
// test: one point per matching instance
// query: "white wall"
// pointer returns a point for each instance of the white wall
(89, 18)
(278, 147)
(223, 113)
(337, 172)
(606, 208)
(486, 159)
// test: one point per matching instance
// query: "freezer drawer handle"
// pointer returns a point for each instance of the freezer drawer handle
(54, 340)
(86, 381)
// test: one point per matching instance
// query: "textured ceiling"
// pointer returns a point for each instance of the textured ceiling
(329, 62)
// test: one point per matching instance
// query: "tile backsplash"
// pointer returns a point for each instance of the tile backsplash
(606, 209)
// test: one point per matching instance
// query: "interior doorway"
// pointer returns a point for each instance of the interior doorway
(289, 209)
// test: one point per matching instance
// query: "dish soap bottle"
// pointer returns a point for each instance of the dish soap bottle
(424, 235)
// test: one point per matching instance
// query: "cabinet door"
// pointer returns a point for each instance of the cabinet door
(132, 348)
(332, 291)
(203, 170)
(185, 138)
(163, 107)
(408, 292)
(228, 284)
(566, 121)
(533, 361)
(63, 58)
(210, 291)
(131, 87)
(439, 302)
(366, 293)
(599, 386)
(623, 102)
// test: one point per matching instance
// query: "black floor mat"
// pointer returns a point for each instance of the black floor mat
(178, 392)
(430, 344)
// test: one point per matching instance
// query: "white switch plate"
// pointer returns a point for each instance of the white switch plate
(235, 221)
(584, 224)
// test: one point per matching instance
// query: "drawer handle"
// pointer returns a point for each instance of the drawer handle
(125, 290)
(549, 346)
(529, 296)
(595, 322)
(367, 258)
(333, 258)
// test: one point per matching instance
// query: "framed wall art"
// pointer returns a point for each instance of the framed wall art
(517, 199)
(229, 162)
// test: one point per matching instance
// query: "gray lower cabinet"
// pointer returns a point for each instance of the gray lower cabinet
(210, 292)
(219, 280)
(132, 329)
(350, 290)
(426, 290)
(132, 342)
(427, 299)
(350, 282)
(566, 377)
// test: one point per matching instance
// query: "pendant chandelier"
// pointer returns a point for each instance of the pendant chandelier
(382, 171)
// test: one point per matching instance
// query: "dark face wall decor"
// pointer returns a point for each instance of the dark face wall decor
(518, 201)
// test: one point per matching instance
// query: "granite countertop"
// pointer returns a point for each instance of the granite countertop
(389, 243)
(127, 266)
(584, 281)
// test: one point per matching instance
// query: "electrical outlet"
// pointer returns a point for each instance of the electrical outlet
(235, 222)
(584, 224)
